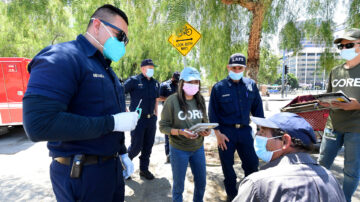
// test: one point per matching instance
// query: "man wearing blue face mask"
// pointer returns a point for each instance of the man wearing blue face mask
(290, 174)
(231, 102)
(75, 101)
(143, 89)
(343, 126)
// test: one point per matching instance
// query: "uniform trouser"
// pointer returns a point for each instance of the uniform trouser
(98, 182)
(167, 149)
(328, 151)
(142, 140)
(240, 139)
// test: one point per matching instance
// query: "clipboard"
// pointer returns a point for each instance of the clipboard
(338, 96)
(202, 126)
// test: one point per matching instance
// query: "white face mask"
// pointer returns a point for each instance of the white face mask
(348, 54)
(260, 148)
(149, 72)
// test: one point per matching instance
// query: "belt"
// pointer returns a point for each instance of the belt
(89, 159)
(237, 125)
(147, 116)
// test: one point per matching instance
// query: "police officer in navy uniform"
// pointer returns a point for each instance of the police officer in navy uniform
(167, 88)
(75, 101)
(145, 88)
(231, 102)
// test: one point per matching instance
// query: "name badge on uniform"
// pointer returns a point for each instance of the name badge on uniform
(140, 85)
(98, 75)
(225, 95)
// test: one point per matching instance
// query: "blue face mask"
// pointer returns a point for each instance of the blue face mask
(149, 72)
(348, 54)
(113, 49)
(236, 76)
(260, 148)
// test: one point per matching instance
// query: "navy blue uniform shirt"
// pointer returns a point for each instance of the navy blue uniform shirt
(167, 88)
(139, 88)
(76, 74)
(231, 103)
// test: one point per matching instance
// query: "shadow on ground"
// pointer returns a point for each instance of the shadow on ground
(158, 189)
(14, 141)
(17, 189)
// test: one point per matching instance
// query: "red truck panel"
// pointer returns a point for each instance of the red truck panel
(13, 82)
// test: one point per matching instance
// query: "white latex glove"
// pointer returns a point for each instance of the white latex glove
(128, 164)
(125, 121)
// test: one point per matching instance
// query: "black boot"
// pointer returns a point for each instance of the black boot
(147, 174)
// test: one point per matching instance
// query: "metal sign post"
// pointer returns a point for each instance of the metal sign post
(184, 61)
(283, 76)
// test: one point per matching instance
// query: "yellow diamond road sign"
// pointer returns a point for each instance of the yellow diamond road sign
(185, 40)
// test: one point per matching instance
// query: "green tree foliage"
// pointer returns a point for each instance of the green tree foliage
(354, 14)
(328, 61)
(291, 80)
(29, 26)
(318, 25)
(317, 29)
(290, 37)
(268, 67)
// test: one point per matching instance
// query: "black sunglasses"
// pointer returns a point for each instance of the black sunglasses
(121, 36)
(347, 46)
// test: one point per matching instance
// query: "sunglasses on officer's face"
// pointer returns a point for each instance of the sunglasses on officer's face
(347, 46)
(121, 36)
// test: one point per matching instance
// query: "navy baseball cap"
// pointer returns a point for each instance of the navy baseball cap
(190, 74)
(147, 62)
(352, 34)
(176, 75)
(291, 123)
(237, 59)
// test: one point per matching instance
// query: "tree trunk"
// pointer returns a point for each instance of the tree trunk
(253, 60)
(258, 14)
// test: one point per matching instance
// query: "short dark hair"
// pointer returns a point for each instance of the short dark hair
(295, 142)
(107, 12)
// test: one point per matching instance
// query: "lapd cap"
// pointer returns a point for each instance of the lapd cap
(294, 125)
(190, 74)
(351, 34)
(237, 59)
(147, 62)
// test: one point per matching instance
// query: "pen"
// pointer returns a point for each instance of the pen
(139, 104)
(138, 109)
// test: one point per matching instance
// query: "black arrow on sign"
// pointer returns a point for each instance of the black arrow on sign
(185, 40)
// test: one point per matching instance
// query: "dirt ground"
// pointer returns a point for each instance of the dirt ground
(24, 170)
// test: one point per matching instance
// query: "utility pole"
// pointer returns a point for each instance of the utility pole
(283, 75)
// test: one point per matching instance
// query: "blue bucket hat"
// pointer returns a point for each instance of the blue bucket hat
(190, 74)
(291, 123)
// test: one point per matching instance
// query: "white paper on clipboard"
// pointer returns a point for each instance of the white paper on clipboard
(202, 126)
